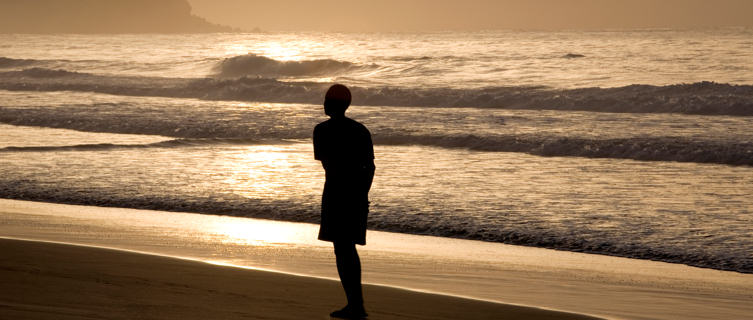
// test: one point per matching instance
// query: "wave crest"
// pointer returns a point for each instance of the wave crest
(175, 143)
(705, 98)
(48, 73)
(14, 63)
(216, 129)
(643, 149)
(255, 65)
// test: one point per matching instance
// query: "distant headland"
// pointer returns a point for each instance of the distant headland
(102, 16)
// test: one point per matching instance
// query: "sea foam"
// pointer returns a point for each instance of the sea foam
(253, 65)
(205, 127)
(707, 98)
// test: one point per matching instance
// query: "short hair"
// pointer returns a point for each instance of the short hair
(338, 97)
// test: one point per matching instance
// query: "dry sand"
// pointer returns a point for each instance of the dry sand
(42, 280)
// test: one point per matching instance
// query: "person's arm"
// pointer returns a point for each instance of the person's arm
(368, 170)
(368, 166)
(318, 144)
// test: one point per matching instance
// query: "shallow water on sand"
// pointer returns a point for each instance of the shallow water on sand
(697, 214)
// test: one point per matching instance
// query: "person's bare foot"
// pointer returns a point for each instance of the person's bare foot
(349, 313)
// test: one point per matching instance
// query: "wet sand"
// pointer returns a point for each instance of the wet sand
(603, 286)
(43, 280)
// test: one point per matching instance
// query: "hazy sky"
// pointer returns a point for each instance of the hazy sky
(413, 15)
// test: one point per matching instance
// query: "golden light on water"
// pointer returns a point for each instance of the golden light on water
(272, 50)
(259, 167)
(235, 49)
(255, 232)
(255, 171)
(281, 52)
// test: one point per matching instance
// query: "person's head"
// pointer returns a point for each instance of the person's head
(337, 100)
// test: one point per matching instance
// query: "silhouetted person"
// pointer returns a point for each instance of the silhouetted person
(344, 147)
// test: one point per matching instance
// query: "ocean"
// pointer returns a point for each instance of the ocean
(629, 143)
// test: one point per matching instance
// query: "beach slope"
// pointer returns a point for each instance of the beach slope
(42, 280)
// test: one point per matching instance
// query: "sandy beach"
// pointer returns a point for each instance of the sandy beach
(55, 281)
(198, 253)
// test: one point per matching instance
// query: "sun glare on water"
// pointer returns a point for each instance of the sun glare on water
(262, 171)
(266, 172)
(282, 53)
(261, 233)
(270, 50)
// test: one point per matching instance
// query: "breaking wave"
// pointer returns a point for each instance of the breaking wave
(175, 143)
(706, 98)
(14, 63)
(210, 131)
(48, 73)
(644, 149)
(573, 56)
(259, 66)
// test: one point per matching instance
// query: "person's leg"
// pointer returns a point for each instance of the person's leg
(349, 269)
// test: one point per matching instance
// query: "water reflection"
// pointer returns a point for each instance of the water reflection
(268, 171)
(259, 232)
(23, 136)
(699, 213)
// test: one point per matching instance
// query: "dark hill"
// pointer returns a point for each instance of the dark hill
(102, 16)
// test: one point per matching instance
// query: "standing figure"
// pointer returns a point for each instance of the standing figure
(344, 147)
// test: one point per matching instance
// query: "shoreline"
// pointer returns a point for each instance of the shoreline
(119, 284)
(603, 286)
(730, 266)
